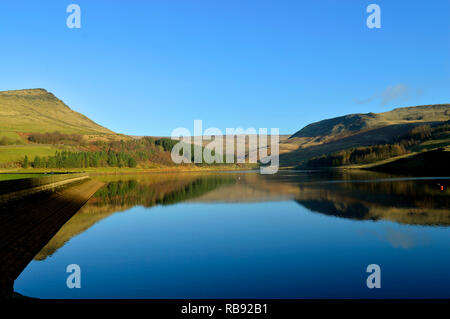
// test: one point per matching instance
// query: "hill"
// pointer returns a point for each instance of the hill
(39, 111)
(37, 130)
(356, 123)
(34, 122)
(358, 130)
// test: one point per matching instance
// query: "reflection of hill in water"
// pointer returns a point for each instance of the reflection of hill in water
(344, 195)
(407, 202)
(360, 196)
(121, 195)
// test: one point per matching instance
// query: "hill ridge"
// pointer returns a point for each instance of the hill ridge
(355, 122)
(37, 110)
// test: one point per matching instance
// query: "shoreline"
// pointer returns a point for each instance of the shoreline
(126, 170)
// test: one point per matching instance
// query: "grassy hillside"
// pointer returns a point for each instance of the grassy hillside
(15, 153)
(37, 110)
(360, 130)
(355, 123)
(35, 123)
(37, 130)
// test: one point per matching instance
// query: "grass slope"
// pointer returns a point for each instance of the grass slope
(37, 110)
(15, 153)
(354, 123)
(357, 130)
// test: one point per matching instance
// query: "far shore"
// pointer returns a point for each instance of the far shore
(127, 170)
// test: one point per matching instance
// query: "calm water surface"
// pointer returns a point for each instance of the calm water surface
(244, 235)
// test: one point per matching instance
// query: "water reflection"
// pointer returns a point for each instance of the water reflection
(399, 238)
(245, 235)
(419, 202)
(356, 195)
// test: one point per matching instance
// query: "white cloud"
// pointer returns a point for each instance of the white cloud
(393, 93)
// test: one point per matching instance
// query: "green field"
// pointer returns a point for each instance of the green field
(10, 134)
(16, 153)
(11, 137)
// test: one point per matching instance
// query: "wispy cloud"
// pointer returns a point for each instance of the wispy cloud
(393, 93)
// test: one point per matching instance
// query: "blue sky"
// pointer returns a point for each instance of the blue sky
(147, 67)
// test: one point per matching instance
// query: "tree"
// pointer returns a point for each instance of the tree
(112, 159)
(37, 162)
(132, 162)
(25, 162)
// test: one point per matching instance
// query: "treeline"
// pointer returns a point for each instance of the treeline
(145, 151)
(359, 155)
(142, 149)
(370, 154)
(9, 141)
(102, 153)
(423, 133)
(67, 159)
(56, 138)
(111, 154)
(166, 143)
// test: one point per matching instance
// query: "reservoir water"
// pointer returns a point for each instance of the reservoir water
(246, 235)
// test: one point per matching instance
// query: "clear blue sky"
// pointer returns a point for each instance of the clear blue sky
(147, 67)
